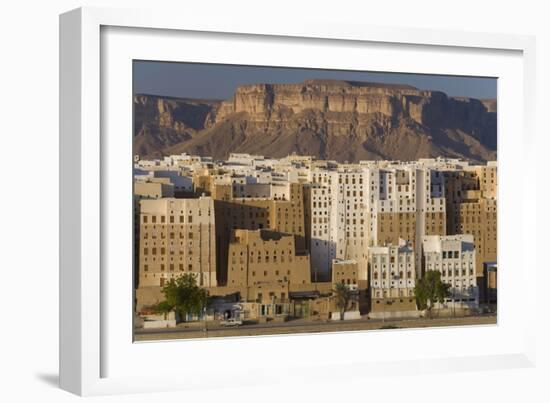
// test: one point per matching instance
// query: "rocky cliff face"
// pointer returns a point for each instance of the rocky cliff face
(345, 121)
(161, 122)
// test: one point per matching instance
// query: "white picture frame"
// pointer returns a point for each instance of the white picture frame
(94, 343)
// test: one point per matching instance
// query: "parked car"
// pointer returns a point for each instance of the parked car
(231, 322)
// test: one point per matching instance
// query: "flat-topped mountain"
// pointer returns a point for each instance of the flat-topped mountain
(329, 119)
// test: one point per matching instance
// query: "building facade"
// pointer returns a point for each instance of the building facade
(392, 281)
(454, 256)
(260, 256)
(177, 236)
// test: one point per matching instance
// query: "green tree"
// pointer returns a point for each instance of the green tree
(183, 296)
(343, 298)
(429, 290)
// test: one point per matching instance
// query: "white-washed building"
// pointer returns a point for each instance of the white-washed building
(454, 256)
(392, 281)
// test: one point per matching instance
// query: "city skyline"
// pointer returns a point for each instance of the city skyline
(273, 240)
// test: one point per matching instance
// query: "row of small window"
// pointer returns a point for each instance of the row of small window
(347, 181)
(188, 250)
(170, 267)
(464, 289)
(277, 273)
(384, 284)
(231, 211)
(402, 292)
(171, 244)
(476, 207)
(289, 244)
(469, 230)
(384, 275)
(472, 220)
(171, 219)
(450, 254)
(349, 234)
(401, 301)
(457, 272)
(403, 257)
(460, 300)
(353, 221)
(397, 217)
(348, 281)
(266, 259)
(163, 258)
(355, 205)
(402, 230)
(172, 235)
(163, 250)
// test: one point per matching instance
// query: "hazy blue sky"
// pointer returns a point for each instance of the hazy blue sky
(218, 81)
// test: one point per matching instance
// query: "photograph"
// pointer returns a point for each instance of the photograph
(292, 201)
(284, 200)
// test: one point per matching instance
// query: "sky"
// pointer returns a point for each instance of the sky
(219, 81)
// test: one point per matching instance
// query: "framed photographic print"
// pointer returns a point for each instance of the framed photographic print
(269, 197)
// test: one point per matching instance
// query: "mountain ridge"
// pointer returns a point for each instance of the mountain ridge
(329, 119)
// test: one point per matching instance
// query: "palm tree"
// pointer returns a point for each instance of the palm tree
(343, 298)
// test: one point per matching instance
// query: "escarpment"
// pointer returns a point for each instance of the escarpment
(329, 119)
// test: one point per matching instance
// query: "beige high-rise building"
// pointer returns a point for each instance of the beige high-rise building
(177, 236)
(479, 218)
(261, 256)
(345, 272)
(471, 197)
(284, 216)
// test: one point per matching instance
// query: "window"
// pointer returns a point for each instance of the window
(145, 219)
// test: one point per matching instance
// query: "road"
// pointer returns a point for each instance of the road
(302, 326)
